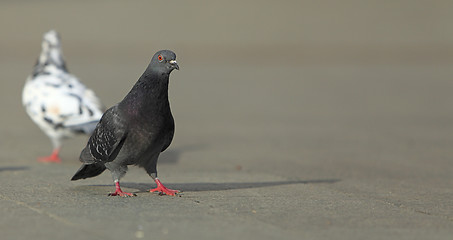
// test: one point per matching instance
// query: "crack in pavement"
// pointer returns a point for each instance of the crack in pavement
(52, 216)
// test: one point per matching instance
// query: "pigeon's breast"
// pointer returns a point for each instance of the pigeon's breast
(149, 139)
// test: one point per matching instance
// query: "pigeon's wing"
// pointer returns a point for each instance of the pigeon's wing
(108, 137)
(89, 98)
(59, 100)
(48, 102)
(88, 107)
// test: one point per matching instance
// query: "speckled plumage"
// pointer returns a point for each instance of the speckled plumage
(55, 99)
(136, 130)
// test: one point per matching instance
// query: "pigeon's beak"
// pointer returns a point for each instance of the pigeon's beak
(174, 64)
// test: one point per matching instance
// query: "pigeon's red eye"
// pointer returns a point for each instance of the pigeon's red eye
(160, 58)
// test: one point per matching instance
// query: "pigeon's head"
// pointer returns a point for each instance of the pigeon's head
(51, 40)
(51, 54)
(164, 61)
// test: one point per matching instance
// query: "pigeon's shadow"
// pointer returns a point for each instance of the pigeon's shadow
(172, 155)
(200, 187)
(13, 168)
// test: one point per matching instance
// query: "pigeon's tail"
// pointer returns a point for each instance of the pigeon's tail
(88, 170)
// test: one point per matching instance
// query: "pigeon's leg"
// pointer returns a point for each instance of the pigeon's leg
(54, 157)
(161, 188)
(119, 192)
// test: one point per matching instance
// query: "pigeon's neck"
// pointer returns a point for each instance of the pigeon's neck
(50, 56)
(149, 94)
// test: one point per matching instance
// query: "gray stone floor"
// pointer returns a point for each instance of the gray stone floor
(294, 121)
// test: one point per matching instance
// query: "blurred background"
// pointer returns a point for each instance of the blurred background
(353, 95)
(330, 88)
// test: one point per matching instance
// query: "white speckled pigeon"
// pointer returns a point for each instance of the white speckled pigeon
(56, 101)
(136, 130)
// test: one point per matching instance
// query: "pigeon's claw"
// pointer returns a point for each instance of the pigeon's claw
(122, 194)
(164, 190)
(53, 158)
(119, 192)
(161, 189)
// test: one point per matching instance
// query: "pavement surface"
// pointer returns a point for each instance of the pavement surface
(294, 120)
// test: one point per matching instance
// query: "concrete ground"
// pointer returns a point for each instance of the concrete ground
(294, 120)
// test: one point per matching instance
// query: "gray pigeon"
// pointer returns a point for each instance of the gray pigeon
(56, 100)
(136, 130)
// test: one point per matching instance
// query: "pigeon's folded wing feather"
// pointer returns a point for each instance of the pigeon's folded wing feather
(62, 101)
(89, 98)
(108, 137)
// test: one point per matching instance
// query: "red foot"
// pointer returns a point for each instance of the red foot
(53, 158)
(119, 192)
(163, 190)
(122, 194)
